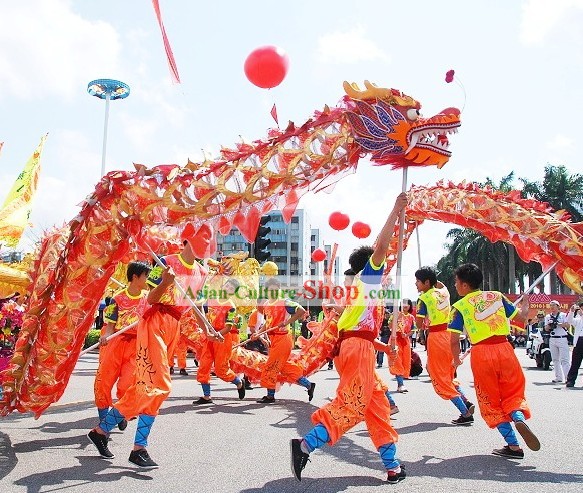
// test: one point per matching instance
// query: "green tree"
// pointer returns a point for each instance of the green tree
(562, 191)
(559, 189)
(468, 245)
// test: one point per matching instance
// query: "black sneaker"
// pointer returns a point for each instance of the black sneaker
(141, 458)
(471, 407)
(396, 477)
(529, 437)
(201, 401)
(241, 391)
(171, 370)
(311, 391)
(463, 420)
(122, 425)
(299, 459)
(266, 399)
(100, 442)
(183, 372)
(506, 451)
(570, 385)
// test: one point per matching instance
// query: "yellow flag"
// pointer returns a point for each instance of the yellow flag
(18, 204)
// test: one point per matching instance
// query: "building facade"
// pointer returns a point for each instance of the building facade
(291, 247)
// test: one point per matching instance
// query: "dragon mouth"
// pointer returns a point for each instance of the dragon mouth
(432, 137)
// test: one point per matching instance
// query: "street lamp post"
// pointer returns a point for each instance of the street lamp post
(107, 89)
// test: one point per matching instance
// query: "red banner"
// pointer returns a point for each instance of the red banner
(540, 302)
(169, 55)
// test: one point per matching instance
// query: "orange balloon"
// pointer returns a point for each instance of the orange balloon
(338, 221)
(318, 255)
(266, 67)
(361, 230)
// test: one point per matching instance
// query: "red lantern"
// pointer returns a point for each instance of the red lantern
(360, 230)
(318, 255)
(266, 67)
(338, 221)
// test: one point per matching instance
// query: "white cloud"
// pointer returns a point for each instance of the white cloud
(48, 50)
(349, 47)
(140, 132)
(560, 142)
(540, 17)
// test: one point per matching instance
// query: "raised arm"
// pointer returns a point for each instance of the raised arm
(384, 237)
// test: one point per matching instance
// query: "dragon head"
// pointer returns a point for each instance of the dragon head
(387, 124)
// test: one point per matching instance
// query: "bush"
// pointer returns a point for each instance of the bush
(92, 338)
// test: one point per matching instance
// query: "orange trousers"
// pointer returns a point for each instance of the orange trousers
(117, 363)
(277, 364)
(218, 353)
(179, 354)
(401, 364)
(499, 382)
(360, 396)
(440, 364)
(157, 337)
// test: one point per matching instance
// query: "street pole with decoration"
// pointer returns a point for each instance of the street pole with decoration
(108, 89)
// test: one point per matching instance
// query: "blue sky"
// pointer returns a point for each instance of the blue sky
(520, 63)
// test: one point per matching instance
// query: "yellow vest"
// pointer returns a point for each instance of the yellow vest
(437, 303)
(484, 315)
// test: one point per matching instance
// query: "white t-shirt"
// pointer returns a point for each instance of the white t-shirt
(576, 322)
(561, 319)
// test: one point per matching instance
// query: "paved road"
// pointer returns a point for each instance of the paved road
(240, 446)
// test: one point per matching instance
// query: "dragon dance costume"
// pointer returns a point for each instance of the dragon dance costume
(223, 317)
(117, 360)
(400, 365)
(276, 313)
(498, 376)
(158, 334)
(360, 395)
(433, 305)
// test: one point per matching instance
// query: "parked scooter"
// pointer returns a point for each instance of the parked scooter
(537, 348)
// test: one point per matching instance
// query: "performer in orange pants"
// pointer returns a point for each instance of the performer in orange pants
(180, 355)
(157, 337)
(222, 315)
(359, 396)
(117, 358)
(280, 313)
(433, 311)
(400, 366)
(357, 383)
(498, 376)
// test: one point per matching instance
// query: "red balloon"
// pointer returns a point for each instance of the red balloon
(318, 255)
(266, 67)
(360, 230)
(338, 221)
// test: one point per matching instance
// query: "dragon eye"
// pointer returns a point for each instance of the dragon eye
(413, 114)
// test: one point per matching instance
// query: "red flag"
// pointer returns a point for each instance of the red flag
(171, 62)
(274, 114)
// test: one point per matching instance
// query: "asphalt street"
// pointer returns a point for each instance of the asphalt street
(242, 446)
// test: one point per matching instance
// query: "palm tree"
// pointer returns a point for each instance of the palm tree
(561, 191)
(468, 245)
